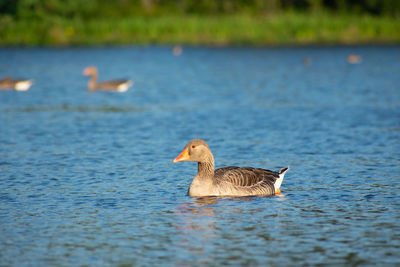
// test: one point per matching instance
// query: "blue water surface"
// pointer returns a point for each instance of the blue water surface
(88, 179)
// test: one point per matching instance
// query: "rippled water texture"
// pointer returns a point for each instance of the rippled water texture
(88, 179)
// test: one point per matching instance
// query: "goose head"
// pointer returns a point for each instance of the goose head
(90, 71)
(196, 150)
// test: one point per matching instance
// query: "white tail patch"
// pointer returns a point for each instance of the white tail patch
(23, 85)
(124, 87)
(279, 181)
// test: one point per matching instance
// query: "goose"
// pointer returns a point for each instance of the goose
(227, 181)
(306, 61)
(112, 86)
(177, 50)
(8, 83)
(354, 59)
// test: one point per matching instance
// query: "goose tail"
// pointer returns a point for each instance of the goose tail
(278, 181)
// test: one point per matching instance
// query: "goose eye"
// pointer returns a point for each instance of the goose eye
(193, 146)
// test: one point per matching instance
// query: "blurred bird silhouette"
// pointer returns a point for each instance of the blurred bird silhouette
(177, 50)
(112, 86)
(306, 61)
(354, 59)
(8, 83)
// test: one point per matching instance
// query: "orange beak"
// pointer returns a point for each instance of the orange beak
(183, 156)
(86, 71)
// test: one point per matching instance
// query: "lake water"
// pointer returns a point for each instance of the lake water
(88, 179)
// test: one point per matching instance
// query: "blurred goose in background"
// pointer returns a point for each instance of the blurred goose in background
(177, 50)
(8, 83)
(306, 61)
(112, 86)
(354, 59)
(227, 181)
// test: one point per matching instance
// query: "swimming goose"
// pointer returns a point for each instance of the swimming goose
(8, 83)
(112, 86)
(227, 181)
(354, 59)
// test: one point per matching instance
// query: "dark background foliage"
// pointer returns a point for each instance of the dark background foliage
(121, 8)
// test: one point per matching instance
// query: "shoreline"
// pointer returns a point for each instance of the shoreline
(287, 29)
(145, 46)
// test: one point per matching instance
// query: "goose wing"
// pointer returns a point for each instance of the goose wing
(246, 176)
(6, 83)
(117, 85)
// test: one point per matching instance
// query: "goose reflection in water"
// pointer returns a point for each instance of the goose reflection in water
(195, 222)
(190, 212)
(199, 224)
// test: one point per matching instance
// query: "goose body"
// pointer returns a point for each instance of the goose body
(7, 83)
(112, 86)
(227, 181)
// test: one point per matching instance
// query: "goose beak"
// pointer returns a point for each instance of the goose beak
(86, 72)
(183, 156)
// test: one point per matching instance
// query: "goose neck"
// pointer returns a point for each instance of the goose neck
(205, 169)
(93, 81)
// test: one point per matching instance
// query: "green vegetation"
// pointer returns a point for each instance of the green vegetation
(80, 22)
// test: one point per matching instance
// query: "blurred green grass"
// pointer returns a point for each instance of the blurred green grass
(288, 28)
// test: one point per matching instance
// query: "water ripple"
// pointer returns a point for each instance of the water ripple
(88, 179)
